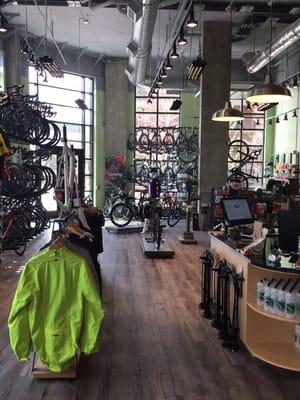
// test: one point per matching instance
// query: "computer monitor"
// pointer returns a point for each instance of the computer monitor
(237, 211)
(288, 231)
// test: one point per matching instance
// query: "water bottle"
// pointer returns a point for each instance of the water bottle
(281, 299)
(260, 292)
(290, 305)
(268, 303)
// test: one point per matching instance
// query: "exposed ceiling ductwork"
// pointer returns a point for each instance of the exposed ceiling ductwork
(283, 41)
(139, 48)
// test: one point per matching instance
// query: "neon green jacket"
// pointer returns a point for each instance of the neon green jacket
(56, 310)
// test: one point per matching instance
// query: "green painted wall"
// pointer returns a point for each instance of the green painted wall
(189, 111)
(287, 133)
(130, 154)
(99, 148)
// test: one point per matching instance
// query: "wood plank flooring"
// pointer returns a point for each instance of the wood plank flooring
(154, 343)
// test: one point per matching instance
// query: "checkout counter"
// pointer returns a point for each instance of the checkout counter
(267, 336)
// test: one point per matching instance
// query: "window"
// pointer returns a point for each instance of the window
(157, 113)
(251, 131)
(61, 94)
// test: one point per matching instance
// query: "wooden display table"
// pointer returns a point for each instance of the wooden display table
(267, 336)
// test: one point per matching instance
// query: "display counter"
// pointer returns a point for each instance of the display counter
(268, 336)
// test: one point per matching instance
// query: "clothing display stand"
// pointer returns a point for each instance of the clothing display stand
(150, 251)
(188, 236)
(40, 371)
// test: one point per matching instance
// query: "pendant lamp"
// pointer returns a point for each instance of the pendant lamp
(192, 23)
(182, 40)
(174, 53)
(269, 92)
(168, 65)
(163, 73)
(227, 114)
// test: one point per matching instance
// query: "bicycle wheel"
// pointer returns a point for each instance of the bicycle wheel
(156, 230)
(188, 152)
(238, 181)
(175, 216)
(121, 214)
(238, 150)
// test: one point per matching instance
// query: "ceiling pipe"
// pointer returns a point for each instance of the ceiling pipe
(142, 43)
(283, 41)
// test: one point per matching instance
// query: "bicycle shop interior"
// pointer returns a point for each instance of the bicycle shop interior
(149, 199)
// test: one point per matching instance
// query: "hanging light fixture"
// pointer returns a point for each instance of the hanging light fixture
(174, 53)
(285, 117)
(159, 81)
(149, 101)
(163, 73)
(277, 120)
(192, 23)
(228, 113)
(3, 23)
(182, 40)
(269, 92)
(295, 114)
(168, 65)
(248, 106)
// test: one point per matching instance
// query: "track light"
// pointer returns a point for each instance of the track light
(270, 122)
(295, 114)
(182, 40)
(163, 73)
(168, 65)
(277, 120)
(159, 80)
(285, 117)
(149, 101)
(257, 122)
(3, 23)
(174, 53)
(25, 47)
(192, 23)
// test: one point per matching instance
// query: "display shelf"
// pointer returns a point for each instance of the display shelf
(261, 311)
(283, 355)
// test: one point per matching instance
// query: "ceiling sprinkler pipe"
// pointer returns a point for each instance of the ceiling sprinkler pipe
(283, 41)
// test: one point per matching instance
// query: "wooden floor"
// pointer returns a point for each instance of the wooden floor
(154, 346)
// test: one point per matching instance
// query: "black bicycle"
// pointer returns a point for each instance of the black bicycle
(127, 209)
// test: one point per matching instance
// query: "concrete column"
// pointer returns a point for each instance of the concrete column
(215, 90)
(116, 107)
(12, 60)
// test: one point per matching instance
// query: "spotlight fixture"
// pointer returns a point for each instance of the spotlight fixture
(195, 69)
(295, 114)
(270, 122)
(277, 120)
(3, 23)
(25, 49)
(257, 122)
(163, 73)
(227, 114)
(285, 117)
(149, 101)
(192, 23)
(248, 106)
(182, 40)
(159, 81)
(174, 53)
(168, 65)
(176, 105)
(81, 104)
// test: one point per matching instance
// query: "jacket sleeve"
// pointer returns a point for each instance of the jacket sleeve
(93, 313)
(18, 320)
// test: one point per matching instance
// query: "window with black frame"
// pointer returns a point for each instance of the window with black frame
(63, 94)
(246, 140)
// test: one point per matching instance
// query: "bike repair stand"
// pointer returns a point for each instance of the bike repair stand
(150, 251)
(188, 236)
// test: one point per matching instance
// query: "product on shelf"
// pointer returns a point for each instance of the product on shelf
(297, 336)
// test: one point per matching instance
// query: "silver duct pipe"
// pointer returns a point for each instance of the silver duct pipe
(284, 40)
(141, 43)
